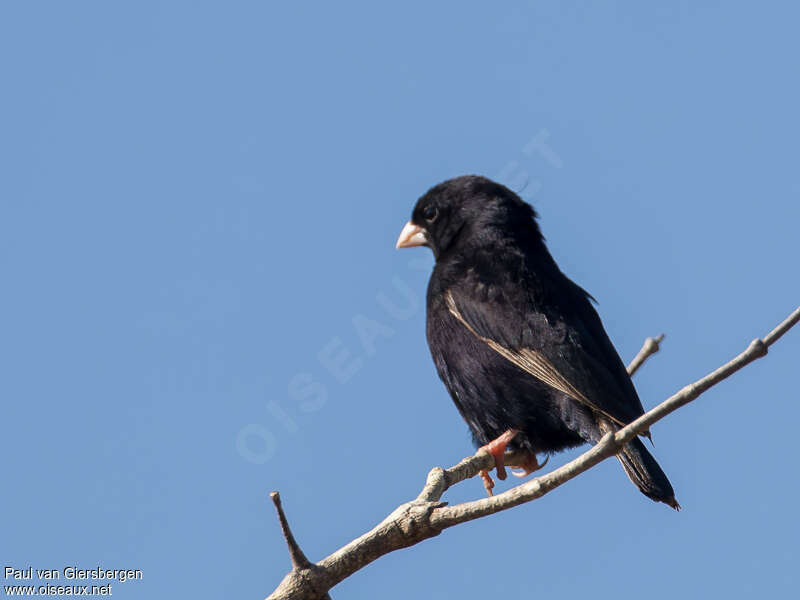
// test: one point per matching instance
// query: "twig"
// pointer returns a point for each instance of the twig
(427, 517)
(650, 347)
(301, 579)
(299, 560)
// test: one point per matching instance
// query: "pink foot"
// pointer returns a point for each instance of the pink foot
(497, 448)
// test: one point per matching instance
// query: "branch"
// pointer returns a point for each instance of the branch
(650, 347)
(299, 560)
(302, 569)
(427, 517)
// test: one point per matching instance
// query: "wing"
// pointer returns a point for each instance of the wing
(567, 348)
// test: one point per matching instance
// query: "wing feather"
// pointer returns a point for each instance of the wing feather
(533, 362)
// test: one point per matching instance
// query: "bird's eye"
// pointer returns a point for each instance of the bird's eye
(430, 212)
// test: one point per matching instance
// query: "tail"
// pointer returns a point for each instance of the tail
(644, 472)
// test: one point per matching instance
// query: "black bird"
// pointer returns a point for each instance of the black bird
(519, 346)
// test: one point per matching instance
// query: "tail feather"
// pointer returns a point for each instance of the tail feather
(646, 474)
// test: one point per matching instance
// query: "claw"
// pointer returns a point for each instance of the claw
(531, 465)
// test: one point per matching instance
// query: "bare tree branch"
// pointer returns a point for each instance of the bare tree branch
(303, 570)
(299, 560)
(650, 347)
(426, 516)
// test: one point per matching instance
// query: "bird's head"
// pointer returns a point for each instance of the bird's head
(468, 210)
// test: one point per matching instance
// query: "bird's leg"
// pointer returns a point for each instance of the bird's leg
(497, 448)
(530, 465)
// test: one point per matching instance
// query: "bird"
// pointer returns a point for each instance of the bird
(519, 346)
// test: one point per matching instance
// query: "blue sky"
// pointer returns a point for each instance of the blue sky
(199, 208)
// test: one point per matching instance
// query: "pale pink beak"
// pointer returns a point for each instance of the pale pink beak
(412, 235)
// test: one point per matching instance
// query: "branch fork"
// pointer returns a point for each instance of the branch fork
(426, 516)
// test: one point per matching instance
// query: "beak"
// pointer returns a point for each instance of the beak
(412, 235)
